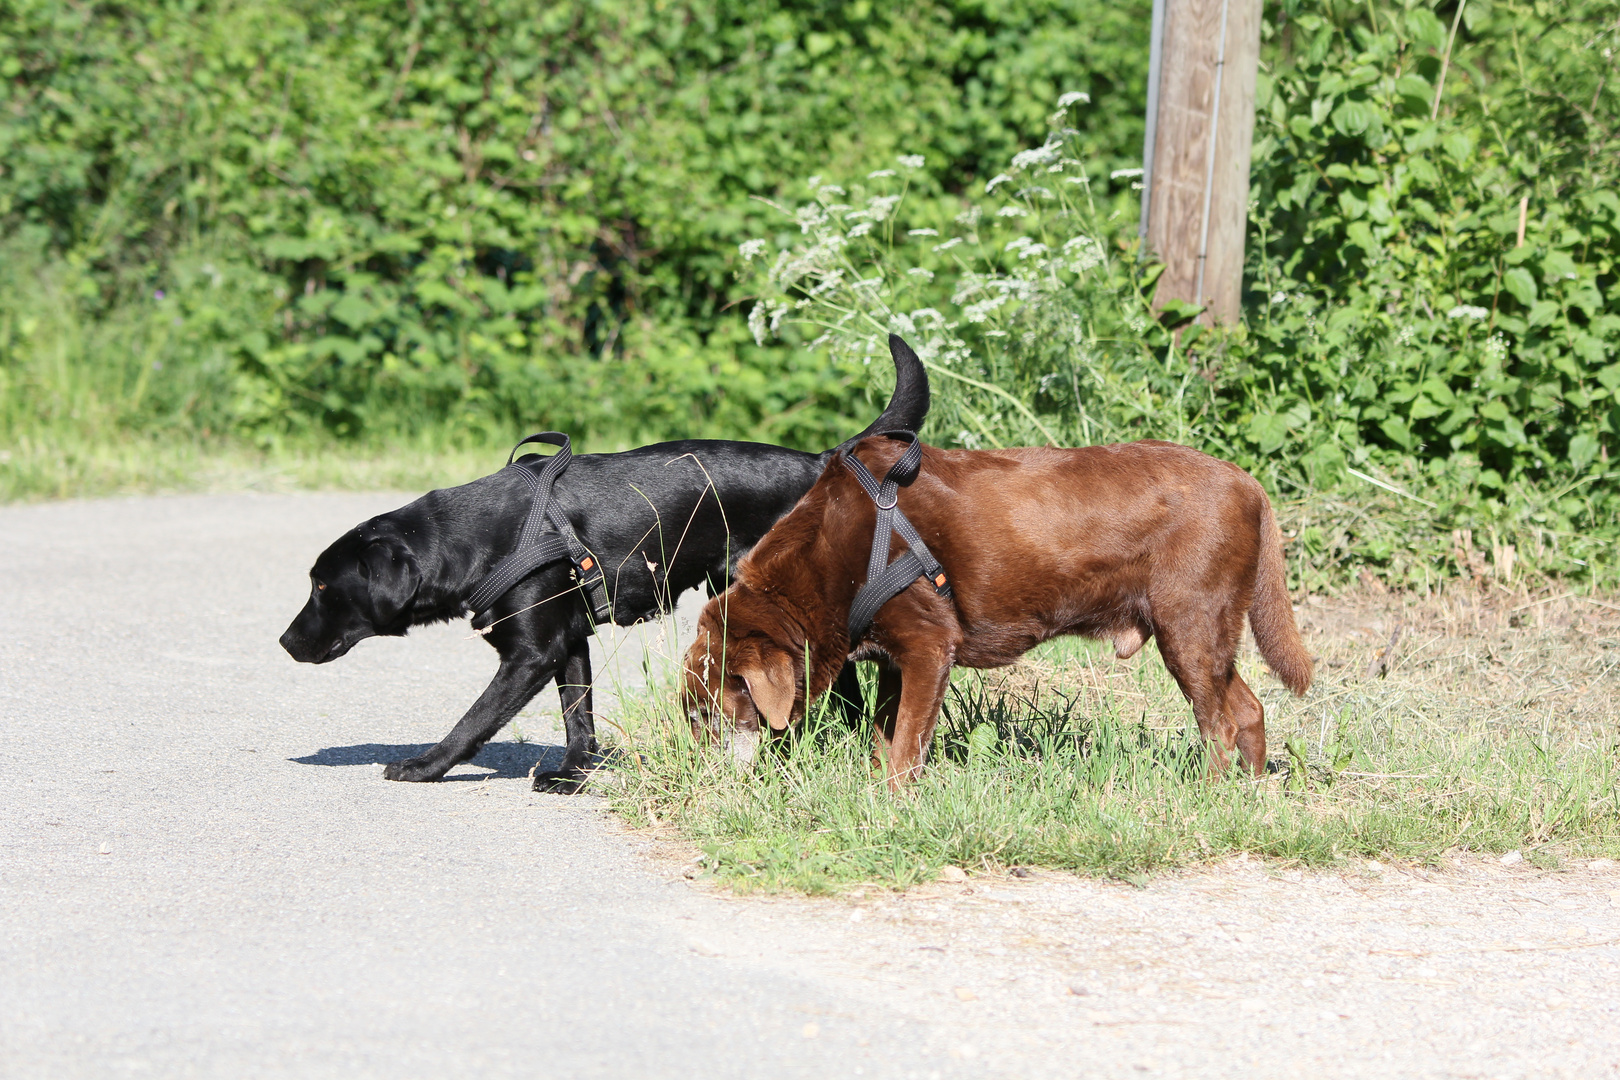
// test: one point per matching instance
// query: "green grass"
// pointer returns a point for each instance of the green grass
(1077, 776)
(63, 464)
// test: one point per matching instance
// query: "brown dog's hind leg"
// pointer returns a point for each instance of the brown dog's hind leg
(1191, 648)
(1249, 717)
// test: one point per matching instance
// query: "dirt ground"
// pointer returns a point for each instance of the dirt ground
(1506, 655)
(1474, 970)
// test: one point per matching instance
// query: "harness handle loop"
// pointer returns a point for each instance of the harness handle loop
(554, 438)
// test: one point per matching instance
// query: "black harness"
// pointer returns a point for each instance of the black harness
(547, 536)
(884, 579)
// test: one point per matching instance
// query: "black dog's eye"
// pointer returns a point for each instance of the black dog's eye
(320, 586)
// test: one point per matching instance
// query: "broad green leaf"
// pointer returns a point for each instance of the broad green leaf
(1414, 86)
(1353, 117)
(1520, 284)
(1543, 312)
(1558, 266)
(1397, 431)
(1425, 28)
(1269, 430)
(1583, 450)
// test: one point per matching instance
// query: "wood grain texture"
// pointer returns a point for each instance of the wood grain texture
(1181, 163)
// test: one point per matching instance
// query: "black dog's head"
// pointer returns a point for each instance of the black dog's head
(360, 587)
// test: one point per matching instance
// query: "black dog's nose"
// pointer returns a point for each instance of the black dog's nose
(289, 643)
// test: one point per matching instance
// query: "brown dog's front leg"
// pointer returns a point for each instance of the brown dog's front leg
(885, 712)
(922, 692)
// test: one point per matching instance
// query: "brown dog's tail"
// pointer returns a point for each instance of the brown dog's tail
(1271, 616)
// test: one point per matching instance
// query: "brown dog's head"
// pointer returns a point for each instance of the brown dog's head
(741, 676)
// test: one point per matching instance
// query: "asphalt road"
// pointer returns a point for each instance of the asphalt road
(203, 873)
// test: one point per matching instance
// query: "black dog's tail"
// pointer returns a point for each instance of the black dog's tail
(908, 405)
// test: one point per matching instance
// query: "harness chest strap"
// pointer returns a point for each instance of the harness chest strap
(884, 579)
(547, 536)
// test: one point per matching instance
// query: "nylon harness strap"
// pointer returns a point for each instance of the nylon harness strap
(547, 536)
(884, 579)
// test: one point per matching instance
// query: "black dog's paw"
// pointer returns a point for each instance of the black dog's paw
(561, 781)
(413, 770)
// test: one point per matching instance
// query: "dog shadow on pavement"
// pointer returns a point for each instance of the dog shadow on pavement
(506, 760)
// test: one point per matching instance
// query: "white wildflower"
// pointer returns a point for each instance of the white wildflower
(1121, 174)
(947, 245)
(879, 206)
(1038, 192)
(757, 318)
(830, 189)
(917, 271)
(911, 161)
(814, 182)
(1033, 251)
(929, 313)
(1467, 311)
(1083, 253)
(999, 178)
(861, 229)
(1074, 96)
(1012, 211)
(878, 174)
(1279, 298)
(922, 232)
(1497, 348)
(1077, 180)
(751, 249)
(978, 313)
(1040, 155)
(969, 217)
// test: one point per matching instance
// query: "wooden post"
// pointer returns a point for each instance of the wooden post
(1195, 180)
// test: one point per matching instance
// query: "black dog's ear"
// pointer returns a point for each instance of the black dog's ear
(392, 578)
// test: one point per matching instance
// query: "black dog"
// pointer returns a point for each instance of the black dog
(660, 519)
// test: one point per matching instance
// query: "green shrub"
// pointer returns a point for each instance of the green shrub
(1398, 342)
(487, 216)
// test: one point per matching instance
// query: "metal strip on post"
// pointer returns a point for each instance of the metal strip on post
(1155, 54)
(1209, 172)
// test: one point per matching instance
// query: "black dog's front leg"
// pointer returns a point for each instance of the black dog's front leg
(574, 688)
(520, 677)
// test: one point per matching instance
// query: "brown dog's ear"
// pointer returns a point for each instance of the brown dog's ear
(770, 684)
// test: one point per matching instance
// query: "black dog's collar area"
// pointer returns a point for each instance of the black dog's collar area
(547, 537)
(886, 580)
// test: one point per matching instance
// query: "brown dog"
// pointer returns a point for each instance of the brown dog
(1124, 542)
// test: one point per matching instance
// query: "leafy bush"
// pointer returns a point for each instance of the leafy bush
(1397, 318)
(486, 216)
(1399, 342)
(366, 222)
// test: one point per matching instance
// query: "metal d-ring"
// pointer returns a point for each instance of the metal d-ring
(891, 504)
